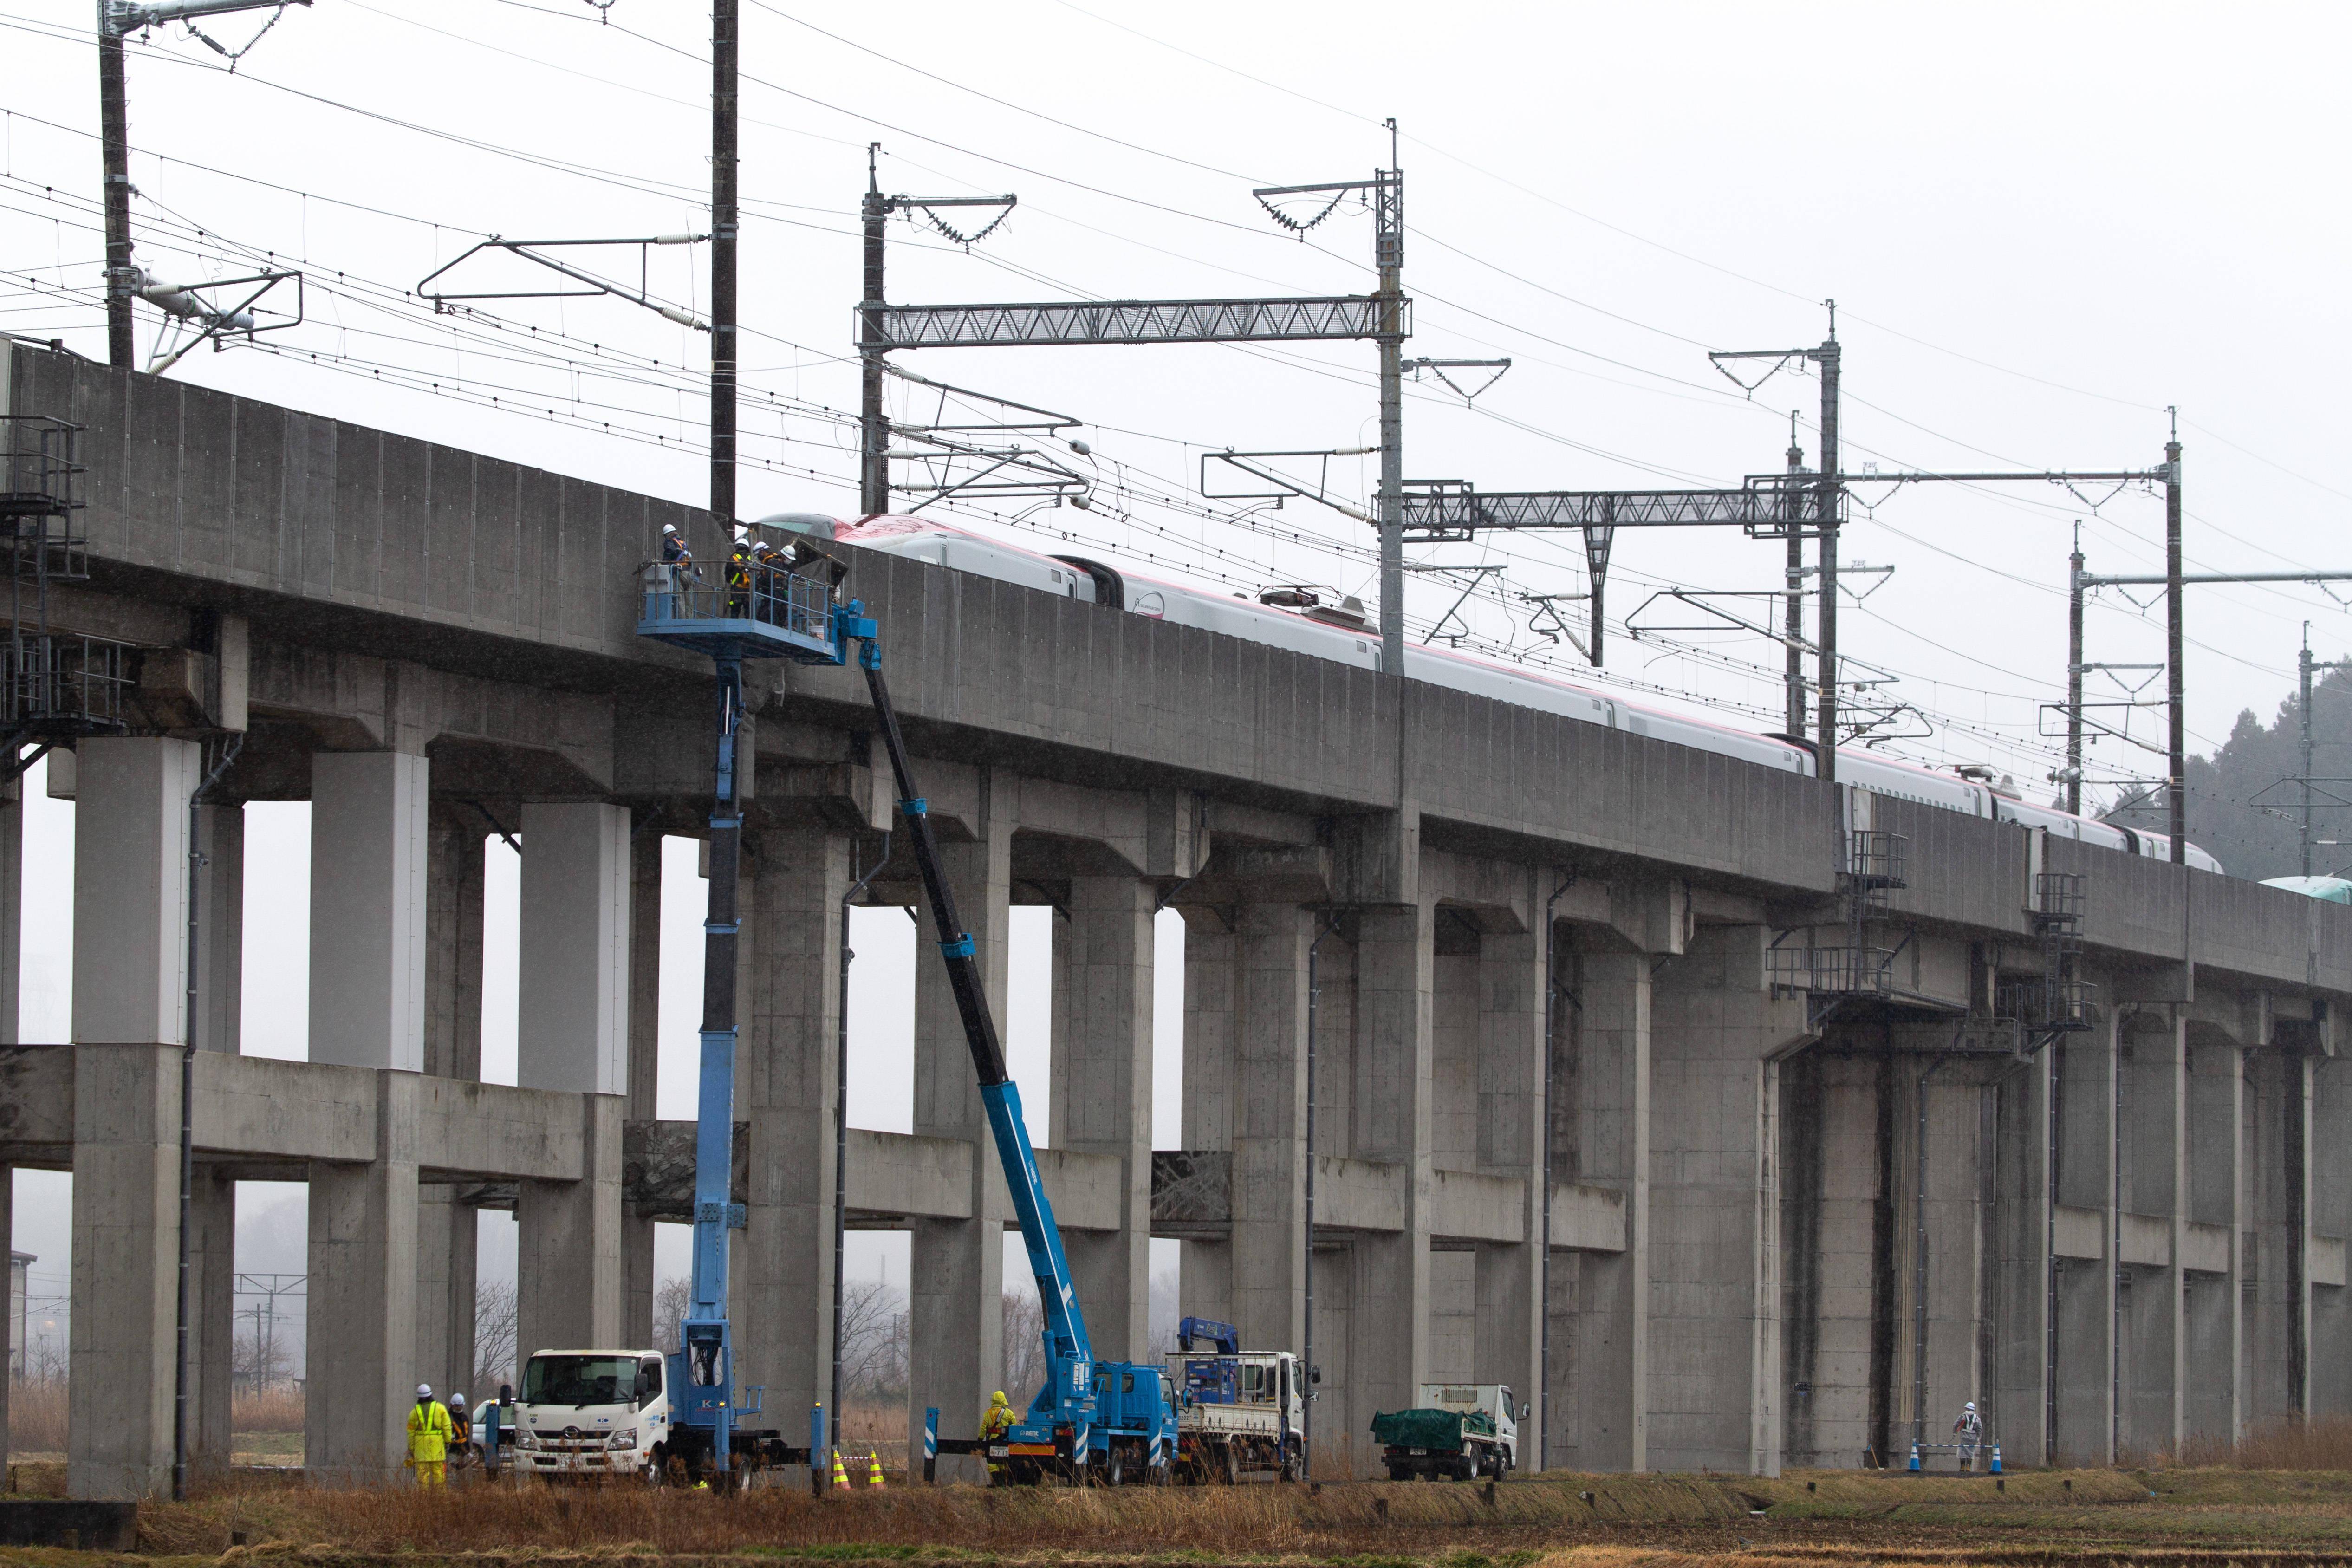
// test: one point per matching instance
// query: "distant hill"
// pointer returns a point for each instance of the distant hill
(2223, 814)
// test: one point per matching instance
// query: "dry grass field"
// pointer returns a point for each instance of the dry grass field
(2285, 1499)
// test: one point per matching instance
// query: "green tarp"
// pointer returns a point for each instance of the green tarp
(1439, 1429)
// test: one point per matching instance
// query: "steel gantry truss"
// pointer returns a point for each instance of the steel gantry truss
(1382, 315)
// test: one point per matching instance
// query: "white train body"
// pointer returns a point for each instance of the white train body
(1095, 582)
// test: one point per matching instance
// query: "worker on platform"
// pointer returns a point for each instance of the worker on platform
(769, 567)
(993, 1426)
(428, 1437)
(739, 567)
(678, 561)
(1969, 1429)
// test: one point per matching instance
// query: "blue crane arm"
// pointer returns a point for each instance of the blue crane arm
(1070, 1352)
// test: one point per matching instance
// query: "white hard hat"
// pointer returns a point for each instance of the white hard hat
(1971, 1405)
(424, 1391)
(669, 528)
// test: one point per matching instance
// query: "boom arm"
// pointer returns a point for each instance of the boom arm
(1070, 1352)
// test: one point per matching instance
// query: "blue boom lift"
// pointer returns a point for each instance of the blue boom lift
(1111, 1420)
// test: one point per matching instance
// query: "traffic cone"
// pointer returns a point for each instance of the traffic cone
(873, 1470)
(1996, 1459)
(1915, 1458)
(840, 1476)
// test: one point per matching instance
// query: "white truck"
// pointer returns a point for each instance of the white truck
(1237, 1412)
(583, 1413)
(1459, 1431)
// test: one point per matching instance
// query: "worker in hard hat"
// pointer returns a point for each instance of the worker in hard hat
(1969, 1429)
(461, 1429)
(677, 560)
(428, 1437)
(769, 568)
(739, 565)
(993, 1426)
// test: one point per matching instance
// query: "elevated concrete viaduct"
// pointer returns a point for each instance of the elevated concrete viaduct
(1786, 1217)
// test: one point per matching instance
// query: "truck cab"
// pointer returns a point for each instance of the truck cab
(584, 1412)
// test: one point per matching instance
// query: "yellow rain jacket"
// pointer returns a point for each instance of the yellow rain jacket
(429, 1432)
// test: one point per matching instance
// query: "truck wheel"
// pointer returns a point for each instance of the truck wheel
(1289, 1461)
(1115, 1466)
(1231, 1473)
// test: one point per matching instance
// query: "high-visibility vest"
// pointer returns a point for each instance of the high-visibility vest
(428, 1432)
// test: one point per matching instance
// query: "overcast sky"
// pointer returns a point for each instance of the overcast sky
(2042, 225)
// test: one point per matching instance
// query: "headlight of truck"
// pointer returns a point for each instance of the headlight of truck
(523, 1439)
(622, 1439)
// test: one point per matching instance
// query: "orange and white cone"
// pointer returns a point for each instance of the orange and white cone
(873, 1470)
(840, 1476)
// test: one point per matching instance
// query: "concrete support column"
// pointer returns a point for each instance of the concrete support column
(452, 938)
(213, 1337)
(1269, 1257)
(637, 1282)
(220, 986)
(2022, 1321)
(2154, 1184)
(7, 1244)
(1512, 1070)
(573, 994)
(126, 1223)
(956, 1267)
(130, 891)
(1212, 1024)
(2084, 1085)
(785, 1087)
(1831, 1202)
(2330, 1155)
(2212, 1302)
(573, 1035)
(1604, 1084)
(1717, 1035)
(569, 1256)
(367, 885)
(1101, 1095)
(445, 1229)
(220, 927)
(2276, 1349)
(1395, 1067)
(359, 1360)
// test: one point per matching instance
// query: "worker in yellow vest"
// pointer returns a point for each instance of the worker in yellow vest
(993, 1424)
(429, 1432)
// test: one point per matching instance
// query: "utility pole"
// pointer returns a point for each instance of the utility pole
(2303, 704)
(1827, 495)
(1388, 253)
(2074, 677)
(724, 233)
(114, 144)
(873, 424)
(2177, 758)
(1794, 616)
(116, 20)
(872, 429)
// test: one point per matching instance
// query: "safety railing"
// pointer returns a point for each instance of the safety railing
(2058, 898)
(63, 684)
(1831, 971)
(768, 611)
(38, 475)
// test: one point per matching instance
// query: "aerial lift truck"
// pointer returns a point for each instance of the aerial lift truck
(1111, 1421)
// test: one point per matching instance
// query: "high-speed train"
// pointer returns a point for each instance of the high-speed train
(1295, 619)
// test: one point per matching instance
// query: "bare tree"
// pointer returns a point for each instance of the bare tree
(1024, 1346)
(257, 1359)
(497, 1321)
(670, 1301)
(873, 1341)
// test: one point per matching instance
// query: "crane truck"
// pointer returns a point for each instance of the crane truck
(1237, 1411)
(1108, 1421)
